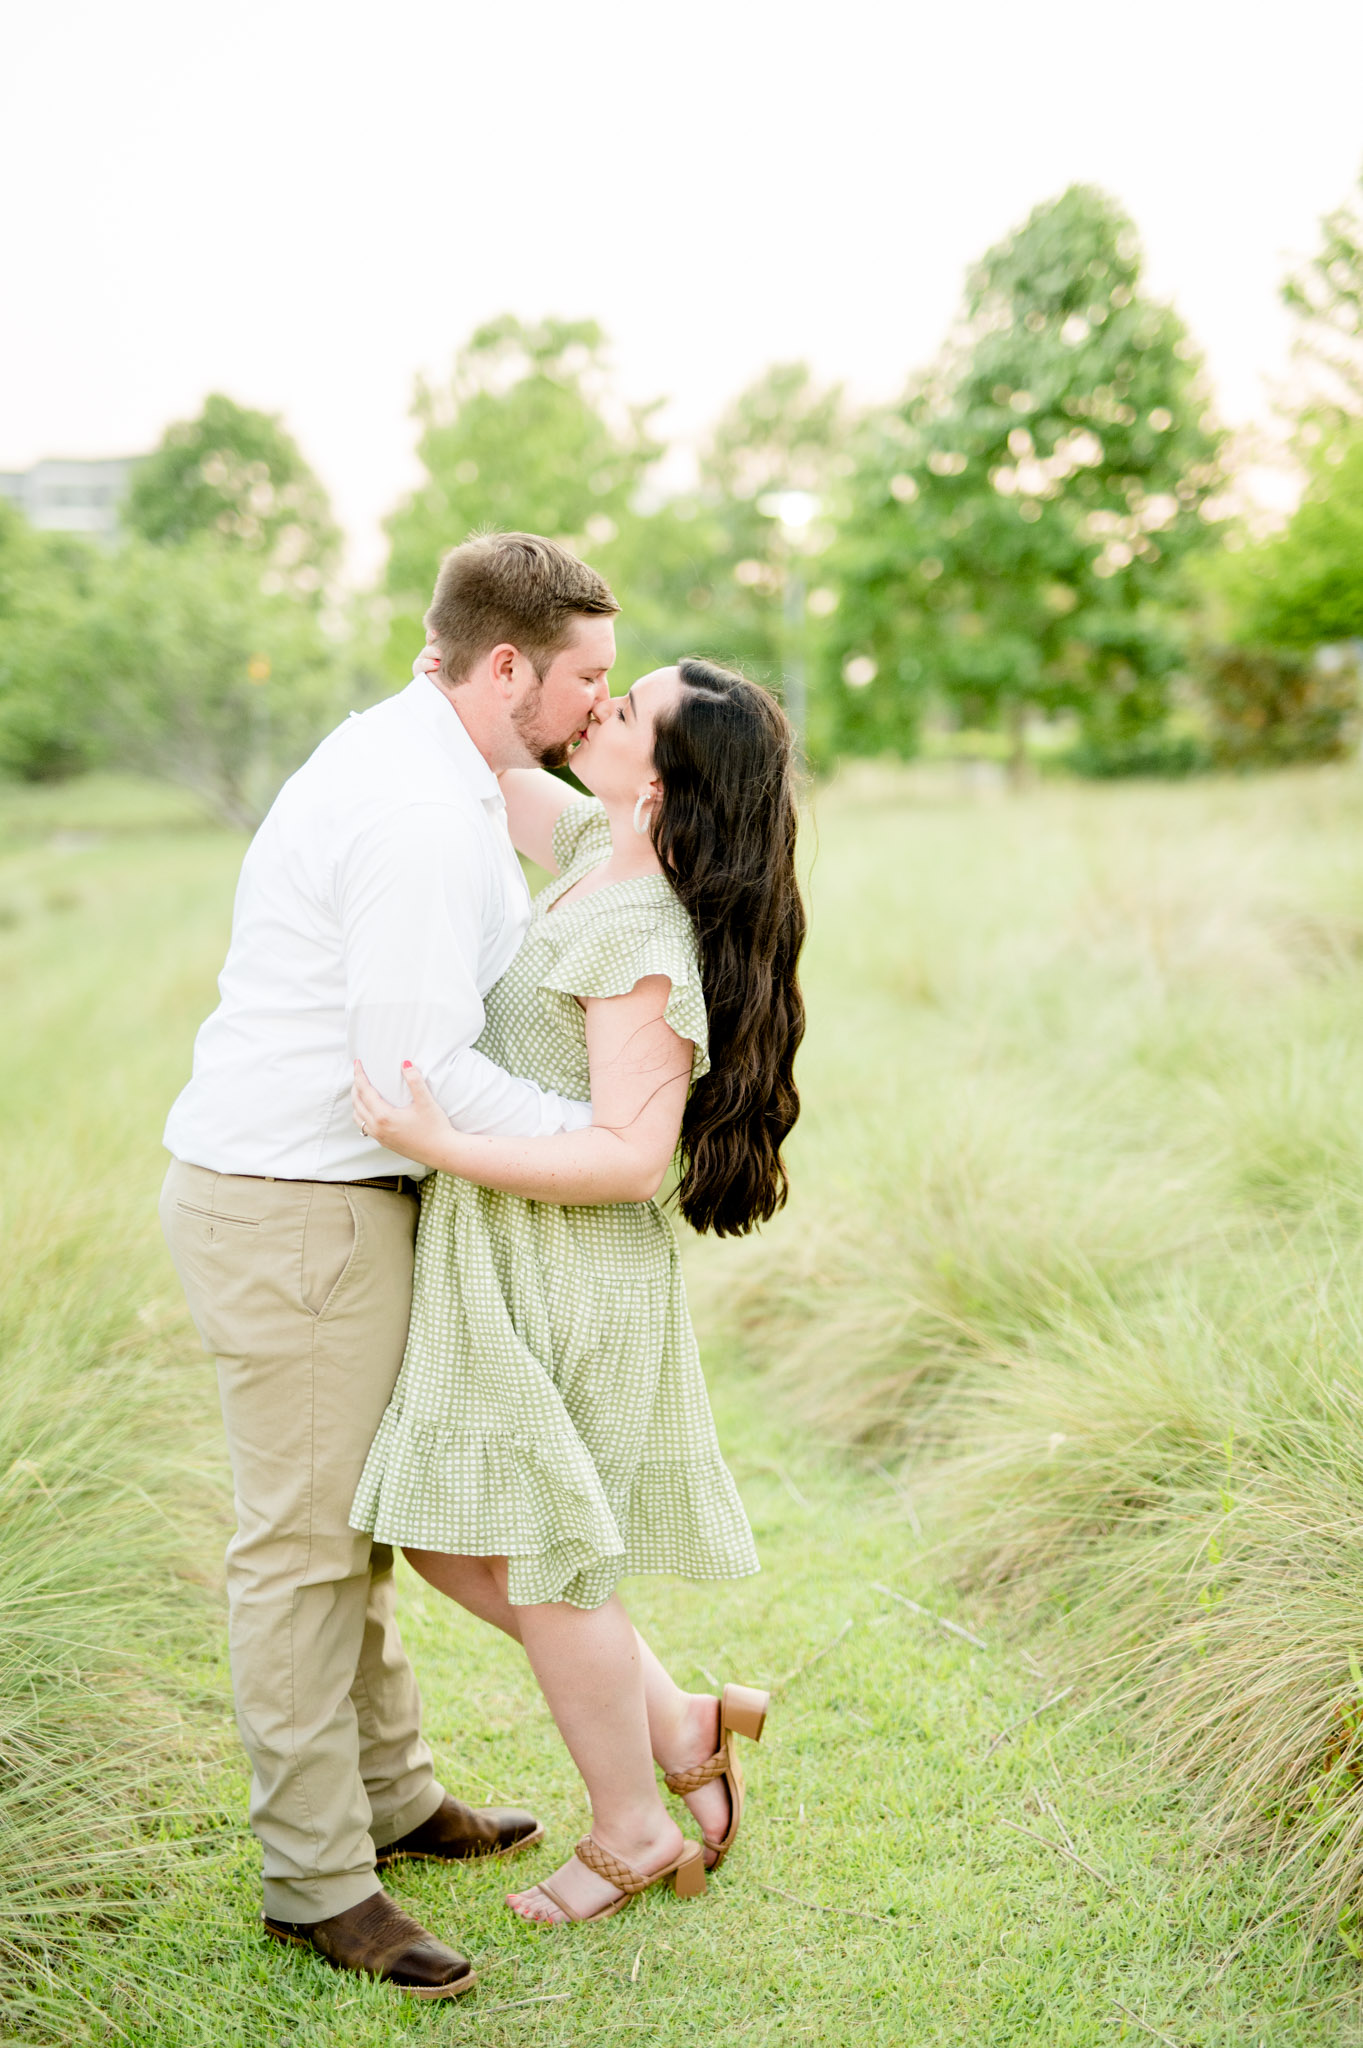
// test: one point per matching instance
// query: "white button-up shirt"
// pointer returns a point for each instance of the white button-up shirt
(378, 903)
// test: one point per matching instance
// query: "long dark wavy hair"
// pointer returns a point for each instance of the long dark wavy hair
(725, 832)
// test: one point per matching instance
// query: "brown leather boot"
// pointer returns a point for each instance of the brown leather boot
(379, 1940)
(455, 1832)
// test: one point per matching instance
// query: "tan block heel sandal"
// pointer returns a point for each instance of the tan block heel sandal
(742, 1711)
(687, 1874)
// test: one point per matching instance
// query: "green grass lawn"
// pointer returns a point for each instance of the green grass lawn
(889, 1885)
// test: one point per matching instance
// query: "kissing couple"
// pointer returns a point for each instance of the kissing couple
(412, 1204)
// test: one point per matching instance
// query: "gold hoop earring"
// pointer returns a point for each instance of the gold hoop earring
(643, 801)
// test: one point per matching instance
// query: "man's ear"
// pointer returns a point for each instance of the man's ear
(502, 668)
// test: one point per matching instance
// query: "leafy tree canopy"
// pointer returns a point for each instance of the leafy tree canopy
(237, 477)
(523, 437)
(707, 572)
(170, 660)
(783, 433)
(47, 726)
(191, 672)
(1303, 589)
(1279, 672)
(1327, 296)
(1019, 518)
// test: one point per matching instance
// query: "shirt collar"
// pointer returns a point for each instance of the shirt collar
(447, 728)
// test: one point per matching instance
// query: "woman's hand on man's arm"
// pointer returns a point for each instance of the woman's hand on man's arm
(417, 1130)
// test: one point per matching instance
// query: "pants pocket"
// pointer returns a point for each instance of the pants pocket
(330, 1238)
(212, 1216)
(212, 1255)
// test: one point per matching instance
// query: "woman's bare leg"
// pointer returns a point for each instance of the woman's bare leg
(470, 1582)
(590, 1672)
(683, 1727)
(683, 1730)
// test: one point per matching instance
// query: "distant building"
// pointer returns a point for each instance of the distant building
(62, 496)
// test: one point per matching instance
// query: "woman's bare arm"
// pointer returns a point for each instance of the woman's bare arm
(640, 1071)
(534, 801)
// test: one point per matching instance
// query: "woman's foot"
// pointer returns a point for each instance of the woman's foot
(695, 1741)
(583, 1890)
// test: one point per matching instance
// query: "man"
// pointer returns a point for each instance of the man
(378, 903)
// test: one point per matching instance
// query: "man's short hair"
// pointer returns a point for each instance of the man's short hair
(516, 588)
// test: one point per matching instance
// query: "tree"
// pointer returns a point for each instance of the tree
(529, 435)
(712, 570)
(46, 585)
(1303, 588)
(1281, 682)
(191, 672)
(1279, 668)
(1268, 707)
(238, 477)
(670, 569)
(772, 472)
(1020, 519)
(169, 660)
(523, 438)
(1327, 296)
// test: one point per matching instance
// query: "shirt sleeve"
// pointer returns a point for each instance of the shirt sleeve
(412, 895)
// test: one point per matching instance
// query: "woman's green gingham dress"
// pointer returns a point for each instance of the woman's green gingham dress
(551, 1408)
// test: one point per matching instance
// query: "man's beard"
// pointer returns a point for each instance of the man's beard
(548, 753)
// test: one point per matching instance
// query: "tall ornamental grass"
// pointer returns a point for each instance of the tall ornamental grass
(1077, 1245)
(88, 1753)
(102, 1494)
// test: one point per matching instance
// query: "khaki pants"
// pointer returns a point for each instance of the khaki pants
(302, 1289)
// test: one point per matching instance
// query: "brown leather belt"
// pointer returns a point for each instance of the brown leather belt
(389, 1183)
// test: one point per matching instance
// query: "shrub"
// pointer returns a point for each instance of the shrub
(1268, 707)
(46, 732)
(1169, 755)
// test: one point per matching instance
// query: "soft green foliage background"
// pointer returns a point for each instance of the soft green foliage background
(1021, 518)
(171, 660)
(192, 671)
(47, 580)
(1002, 559)
(237, 476)
(1304, 588)
(518, 441)
(199, 648)
(527, 436)
(1326, 294)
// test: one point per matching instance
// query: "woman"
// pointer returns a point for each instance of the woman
(550, 1430)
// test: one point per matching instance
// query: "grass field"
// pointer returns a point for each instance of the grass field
(1055, 1341)
(1096, 1272)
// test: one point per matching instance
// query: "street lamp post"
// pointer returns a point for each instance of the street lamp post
(796, 511)
(793, 611)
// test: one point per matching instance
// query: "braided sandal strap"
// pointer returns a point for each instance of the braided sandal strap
(623, 1876)
(682, 1782)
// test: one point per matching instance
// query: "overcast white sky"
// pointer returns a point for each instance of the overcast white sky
(303, 202)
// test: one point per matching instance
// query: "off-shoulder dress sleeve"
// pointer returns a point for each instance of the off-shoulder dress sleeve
(581, 829)
(621, 941)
